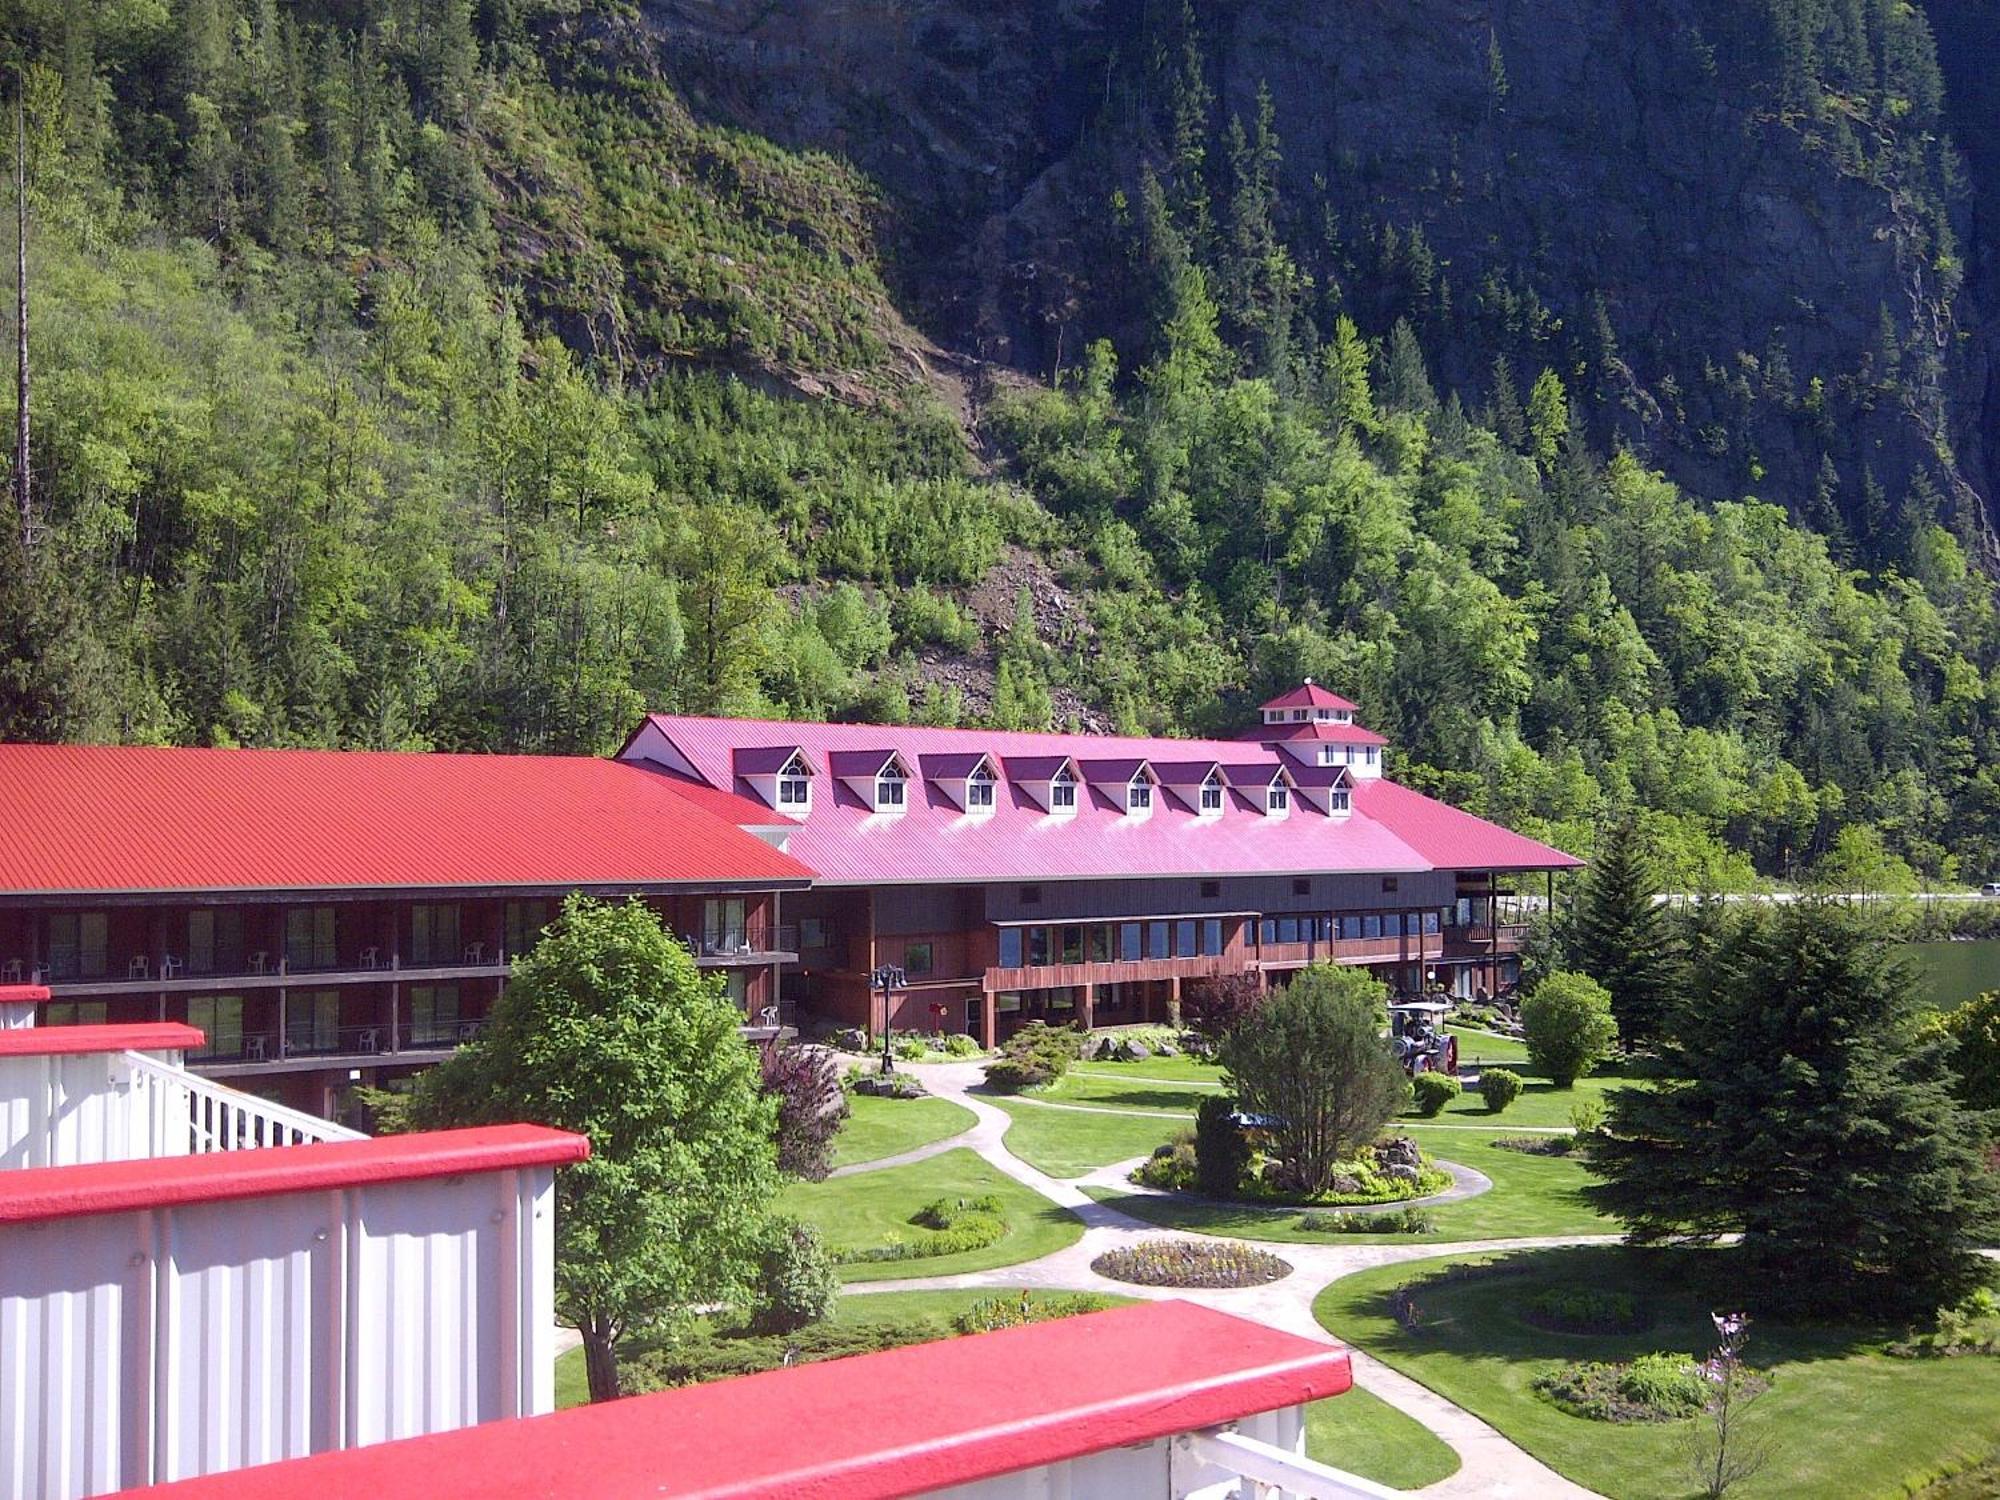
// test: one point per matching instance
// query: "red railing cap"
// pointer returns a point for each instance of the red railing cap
(65, 1041)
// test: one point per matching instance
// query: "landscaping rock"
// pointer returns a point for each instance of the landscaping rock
(1401, 1172)
(1398, 1151)
(1343, 1184)
(1166, 1049)
(1137, 1052)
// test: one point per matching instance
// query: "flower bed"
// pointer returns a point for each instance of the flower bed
(1191, 1263)
(1394, 1171)
(945, 1226)
(1583, 1309)
(1651, 1388)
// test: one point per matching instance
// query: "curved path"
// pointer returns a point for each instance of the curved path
(1489, 1463)
(1465, 1183)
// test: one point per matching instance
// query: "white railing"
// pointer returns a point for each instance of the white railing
(187, 1115)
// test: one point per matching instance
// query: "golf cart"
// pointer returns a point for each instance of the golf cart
(1417, 1036)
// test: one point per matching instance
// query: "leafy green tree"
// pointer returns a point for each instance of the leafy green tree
(1567, 1023)
(1314, 1062)
(1803, 1110)
(1973, 1033)
(1622, 937)
(607, 1028)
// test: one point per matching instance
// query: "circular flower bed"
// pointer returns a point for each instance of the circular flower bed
(1207, 1263)
(1585, 1309)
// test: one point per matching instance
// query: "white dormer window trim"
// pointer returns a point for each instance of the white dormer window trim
(1209, 802)
(1338, 802)
(891, 789)
(794, 792)
(980, 792)
(1278, 800)
(1062, 793)
(1139, 797)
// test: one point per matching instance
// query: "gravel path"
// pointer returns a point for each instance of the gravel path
(1490, 1465)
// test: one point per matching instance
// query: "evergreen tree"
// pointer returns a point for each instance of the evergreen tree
(1621, 937)
(1804, 1111)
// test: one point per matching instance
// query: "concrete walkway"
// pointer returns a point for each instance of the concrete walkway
(1490, 1465)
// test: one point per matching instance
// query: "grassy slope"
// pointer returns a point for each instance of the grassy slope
(863, 1210)
(1069, 1143)
(1841, 1420)
(878, 1127)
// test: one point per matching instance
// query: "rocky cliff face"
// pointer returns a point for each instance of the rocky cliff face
(1748, 293)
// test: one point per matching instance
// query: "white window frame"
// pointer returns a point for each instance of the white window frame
(1337, 802)
(1277, 799)
(981, 791)
(1300, 715)
(795, 790)
(1139, 795)
(1210, 799)
(1062, 793)
(892, 789)
(1373, 753)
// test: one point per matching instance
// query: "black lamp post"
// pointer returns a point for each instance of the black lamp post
(888, 979)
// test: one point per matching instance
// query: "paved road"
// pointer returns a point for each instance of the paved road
(1490, 1465)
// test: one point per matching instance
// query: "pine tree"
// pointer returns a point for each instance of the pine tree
(1406, 384)
(1806, 1111)
(1620, 935)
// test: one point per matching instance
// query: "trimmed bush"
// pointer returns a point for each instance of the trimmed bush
(1209, 1263)
(796, 1282)
(1221, 1154)
(1036, 1055)
(1568, 1027)
(1397, 1221)
(1499, 1087)
(1433, 1091)
(1171, 1167)
(1012, 1074)
(945, 1226)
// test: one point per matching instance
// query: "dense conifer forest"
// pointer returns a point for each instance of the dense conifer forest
(436, 374)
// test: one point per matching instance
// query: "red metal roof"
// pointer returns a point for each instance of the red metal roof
(34, 1194)
(954, 765)
(902, 1422)
(70, 1041)
(934, 840)
(1313, 729)
(1451, 839)
(1309, 694)
(766, 760)
(110, 819)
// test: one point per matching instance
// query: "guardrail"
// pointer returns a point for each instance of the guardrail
(187, 1115)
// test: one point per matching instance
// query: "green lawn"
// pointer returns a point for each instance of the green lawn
(1365, 1435)
(878, 1127)
(1531, 1196)
(1069, 1143)
(1840, 1418)
(1487, 1046)
(1098, 1088)
(1178, 1069)
(862, 1210)
(1541, 1102)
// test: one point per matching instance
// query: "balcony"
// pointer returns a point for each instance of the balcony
(1479, 942)
(758, 943)
(354, 1046)
(198, 1280)
(166, 974)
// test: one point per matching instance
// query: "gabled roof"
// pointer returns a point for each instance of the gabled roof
(1452, 839)
(846, 763)
(953, 765)
(107, 819)
(1035, 767)
(1320, 776)
(769, 760)
(1338, 734)
(1255, 773)
(1113, 770)
(1184, 772)
(1309, 694)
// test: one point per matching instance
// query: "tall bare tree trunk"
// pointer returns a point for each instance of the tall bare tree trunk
(23, 480)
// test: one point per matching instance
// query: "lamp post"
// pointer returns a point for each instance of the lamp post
(888, 979)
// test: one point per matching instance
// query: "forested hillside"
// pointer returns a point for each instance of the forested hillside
(479, 373)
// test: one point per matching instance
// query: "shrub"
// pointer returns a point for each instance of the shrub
(1191, 1263)
(1171, 1167)
(1970, 1327)
(866, 1080)
(958, 1044)
(1651, 1388)
(910, 1048)
(1394, 1221)
(946, 1226)
(1585, 1309)
(796, 1281)
(1499, 1087)
(1568, 1027)
(1035, 1055)
(1221, 1154)
(1537, 1145)
(1433, 1091)
(1586, 1117)
(1015, 1310)
(692, 1361)
(1012, 1074)
(1211, 1008)
(806, 1082)
(1312, 1061)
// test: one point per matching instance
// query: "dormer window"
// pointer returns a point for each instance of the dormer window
(794, 791)
(1062, 792)
(1211, 796)
(1336, 802)
(979, 791)
(1139, 796)
(889, 789)
(1278, 799)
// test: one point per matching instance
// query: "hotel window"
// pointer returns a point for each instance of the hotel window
(1211, 889)
(1100, 944)
(434, 935)
(1156, 940)
(1288, 929)
(1184, 939)
(309, 938)
(889, 789)
(1430, 921)
(723, 926)
(525, 921)
(1302, 887)
(219, 1018)
(1062, 792)
(312, 1021)
(794, 789)
(1267, 931)
(1211, 937)
(1031, 895)
(1211, 796)
(76, 1013)
(1038, 947)
(1072, 945)
(1007, 1002)
(1349, 750)
(979, 791)
(1279, 799)
(1130, 949)
(1010, 947)
(1322, 929)
(736, 986)
(214, 940)
(1299, 716)
(433, 1014)
(1373, 754)
(78, 944)
(916, 959)
(813, 933)
(1327, 754)
(1139, 796)
(1350, 929)
(1371, 927)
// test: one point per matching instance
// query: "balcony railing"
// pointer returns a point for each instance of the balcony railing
(166, 971)
(190, 1116)
(344, 1041)
(748, 942)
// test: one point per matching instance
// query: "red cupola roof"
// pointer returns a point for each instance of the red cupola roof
(1309, 694)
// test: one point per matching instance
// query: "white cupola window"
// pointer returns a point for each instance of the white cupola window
(1336, 802)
